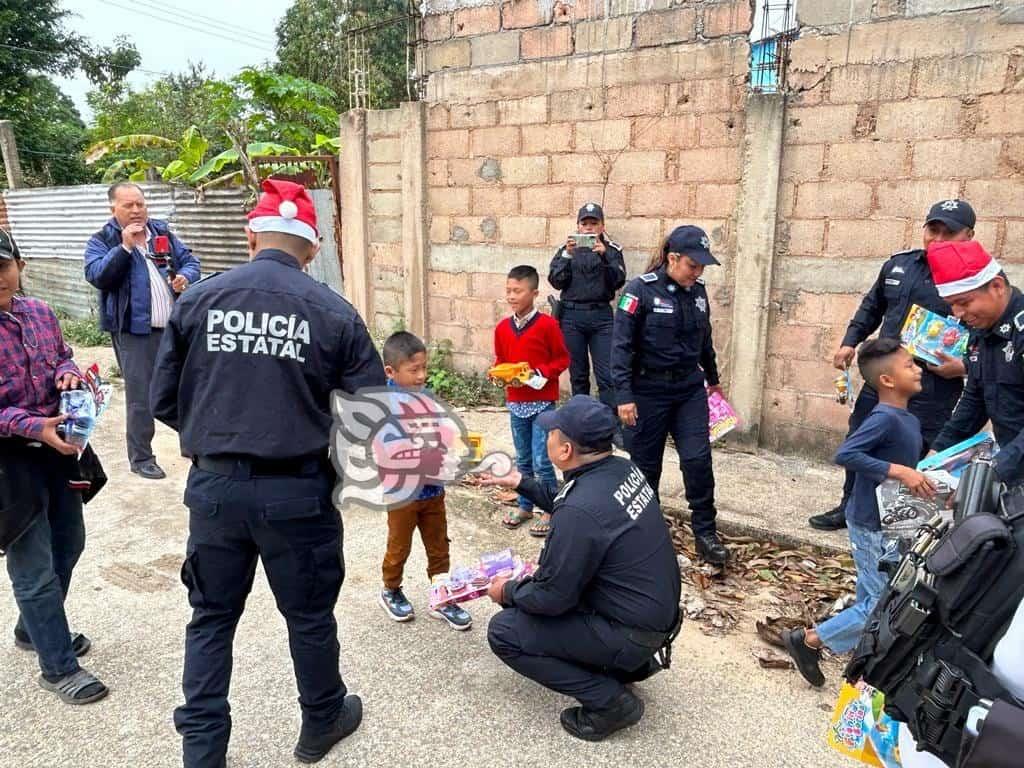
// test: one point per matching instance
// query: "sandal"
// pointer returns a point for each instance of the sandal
(79, 687)
(514, 519)
(80, 644)
(541, 528)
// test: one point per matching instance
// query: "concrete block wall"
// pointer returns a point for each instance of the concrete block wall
(384, 215)
(890, 114)
(535, 109)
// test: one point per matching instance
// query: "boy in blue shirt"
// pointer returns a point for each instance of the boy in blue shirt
(887, 444)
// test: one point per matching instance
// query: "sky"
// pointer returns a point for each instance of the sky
(226, 35)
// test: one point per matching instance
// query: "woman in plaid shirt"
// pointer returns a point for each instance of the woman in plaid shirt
(35, 366)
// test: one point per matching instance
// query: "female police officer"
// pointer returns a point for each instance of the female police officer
(662, 354)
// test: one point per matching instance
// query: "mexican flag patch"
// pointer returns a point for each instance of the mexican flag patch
(628, 303)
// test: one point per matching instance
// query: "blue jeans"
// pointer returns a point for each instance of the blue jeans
(842, 632)
(40, 564)
(531, 442)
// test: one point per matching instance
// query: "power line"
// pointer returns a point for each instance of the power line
(219, 25)
(181, 24)
(57, 54)
(22, 151)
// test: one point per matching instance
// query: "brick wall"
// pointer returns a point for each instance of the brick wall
(535, 112)
(384, 199)
(890, 115)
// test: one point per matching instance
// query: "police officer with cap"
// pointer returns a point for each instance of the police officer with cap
(662, 354)
(588, 278)
(905, 280)
(245, 373)
(981, 296)
(604, 600)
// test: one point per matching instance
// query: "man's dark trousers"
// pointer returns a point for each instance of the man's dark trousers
(136, 357)
(577, 654)
(587, 330)
(290, 524)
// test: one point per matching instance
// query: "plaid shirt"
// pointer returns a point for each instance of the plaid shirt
(33, 356)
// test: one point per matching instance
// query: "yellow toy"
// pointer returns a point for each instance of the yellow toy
(475, 441)
(935, 328)
(506, 373)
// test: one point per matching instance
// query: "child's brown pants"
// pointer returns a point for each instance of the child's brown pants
(427, 515)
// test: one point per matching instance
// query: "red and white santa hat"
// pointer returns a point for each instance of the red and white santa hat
(285, 207)
(959, 267)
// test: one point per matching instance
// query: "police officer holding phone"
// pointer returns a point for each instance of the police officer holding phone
(662, 354)
(588, 274)
(245, 373)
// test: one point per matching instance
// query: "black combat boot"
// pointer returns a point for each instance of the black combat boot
(313, 747)
(595, 725)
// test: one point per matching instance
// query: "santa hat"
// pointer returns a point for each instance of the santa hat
(959, 267)
(285, 207)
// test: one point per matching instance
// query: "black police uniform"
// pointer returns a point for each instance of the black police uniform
(244, 374)
(662, 353)
(995, 391)
(588, 282)
(905, 279)
(606, 591)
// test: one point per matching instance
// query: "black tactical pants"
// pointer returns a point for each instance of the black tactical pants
(290, 524)
(589, 332)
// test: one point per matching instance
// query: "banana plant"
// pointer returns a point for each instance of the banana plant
(190, 150)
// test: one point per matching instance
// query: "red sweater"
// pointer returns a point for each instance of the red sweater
(541, 345)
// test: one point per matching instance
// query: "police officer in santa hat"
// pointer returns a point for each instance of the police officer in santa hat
(244, 374)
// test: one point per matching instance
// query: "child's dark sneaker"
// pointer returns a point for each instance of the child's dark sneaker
(395, 604)
(455, 616)
(806, 658)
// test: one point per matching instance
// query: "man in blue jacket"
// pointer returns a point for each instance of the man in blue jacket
(138, 286)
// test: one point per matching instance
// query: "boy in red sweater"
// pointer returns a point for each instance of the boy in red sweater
(532, 337)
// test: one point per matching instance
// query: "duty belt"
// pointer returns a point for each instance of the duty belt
(664, 374)
(584, 304)
(240, 466)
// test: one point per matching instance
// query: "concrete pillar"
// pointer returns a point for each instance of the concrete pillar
(414, 215)
(354, 207)
(9, 149)
(755, 250)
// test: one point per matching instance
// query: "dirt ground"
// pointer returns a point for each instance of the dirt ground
(432, 696)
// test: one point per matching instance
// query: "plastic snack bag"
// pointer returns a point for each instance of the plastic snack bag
(722, 419)
(860, 728)
(925, 333)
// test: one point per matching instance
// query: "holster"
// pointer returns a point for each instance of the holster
(556, 307)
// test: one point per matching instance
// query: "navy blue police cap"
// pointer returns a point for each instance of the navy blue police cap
(590, 211)
(8, 248)
(955, 214)
(693, 242)
(584, 420)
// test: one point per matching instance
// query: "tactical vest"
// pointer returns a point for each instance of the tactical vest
(928, 644)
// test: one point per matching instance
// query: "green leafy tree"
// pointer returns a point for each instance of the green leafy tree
(312, 43)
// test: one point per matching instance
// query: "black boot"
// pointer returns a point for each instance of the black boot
(594, 725)
(807, 659)
(711, 550)
(833, 520)
(313, 747)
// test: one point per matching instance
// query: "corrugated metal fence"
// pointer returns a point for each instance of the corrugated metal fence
(53, 224)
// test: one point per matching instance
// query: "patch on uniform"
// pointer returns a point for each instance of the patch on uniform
(628, 303)
(702, 304)
(1004, 328)
(649, 277)
(1008, 351)
(897, 270)
(663, 310)
(615, 245)
(565, 489)
(1018, 321)
(891, 281)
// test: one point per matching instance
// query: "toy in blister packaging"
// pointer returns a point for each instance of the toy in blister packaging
(465, 583)
(860, 728)
(844, 388)
(101, 390)
(722, 419)
(902, 514)
(956, 458)
(925, 333)
(79, 406)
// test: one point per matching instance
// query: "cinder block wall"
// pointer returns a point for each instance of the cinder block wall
(384, 232)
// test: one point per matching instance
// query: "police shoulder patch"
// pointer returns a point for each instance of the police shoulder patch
(1018, 321)
(649, 277)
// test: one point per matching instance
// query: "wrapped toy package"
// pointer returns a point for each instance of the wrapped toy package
(465, 583)
(83, 407)
(925, 333)
(722, 419)
(860, 728)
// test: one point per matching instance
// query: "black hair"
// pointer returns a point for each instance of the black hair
(874, 357)
(112, 189)
(402, 346)
(525, 272)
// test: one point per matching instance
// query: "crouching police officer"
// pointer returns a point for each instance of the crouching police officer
(244, 374)
(662, 353)
(604, 600)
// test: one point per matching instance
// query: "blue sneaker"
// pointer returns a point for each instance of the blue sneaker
(396, 605)
(455, 616)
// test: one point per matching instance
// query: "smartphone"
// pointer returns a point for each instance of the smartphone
(584, 240)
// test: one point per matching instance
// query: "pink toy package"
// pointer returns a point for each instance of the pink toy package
(465, 583)
(722, 419)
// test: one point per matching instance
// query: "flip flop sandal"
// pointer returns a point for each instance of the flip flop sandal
(513, 520)
(69, 688)
(80, 644)
(540, 529)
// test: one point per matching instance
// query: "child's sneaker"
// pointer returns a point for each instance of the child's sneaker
(455, 616)
(395, 604)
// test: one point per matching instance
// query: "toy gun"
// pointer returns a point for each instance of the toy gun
(506, 373)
